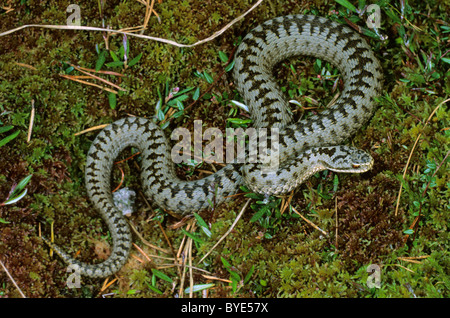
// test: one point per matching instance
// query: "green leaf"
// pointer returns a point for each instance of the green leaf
(391, 14)
(4, 221)
(15, 199)
(114, 56)
(255, 196)
(249, 274)
(5, 129)
(229, 67)
(100, 61)
(208, 77)
(192, 236)
(346, 4)
(177, 99)
(239, 121)
(225, 263)
(135, 60)
(178, 114)
(244, 188)
(199, 287)
(22, 183)
(184, 91)
(5, 140)
(408, 231)
(121, 51)
(259, 214)
(162, 275)
(156, 290)
(202, 224)
(115, 64)
(69, 69)
(196, 94)
(223, 56)
(160, 115)
(112, 100)
(234, 276)
(200, 220)
(180, 105)
(445, 59)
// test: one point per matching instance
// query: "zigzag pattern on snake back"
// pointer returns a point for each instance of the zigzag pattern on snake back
(306, 147)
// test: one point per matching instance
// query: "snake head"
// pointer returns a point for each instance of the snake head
(349, 159)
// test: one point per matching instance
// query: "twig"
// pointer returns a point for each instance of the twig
(12, 279)
(26, 65)
(409, 270)
(309, 222)
(97, 77)
(228, 232)
(90, 129)
(87, 28)
(148, 13)
(30, 127)
(182, 251)
(106, 284)
(73, 78)
(147, 242)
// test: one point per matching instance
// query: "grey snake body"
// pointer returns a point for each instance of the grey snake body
(305, 147)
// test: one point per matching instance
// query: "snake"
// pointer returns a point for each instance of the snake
(305, 147)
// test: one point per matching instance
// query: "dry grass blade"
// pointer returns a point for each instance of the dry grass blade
(106, 284)
(216, 278)
(309, 222)
(26, 65)
(74, 78)
(87, 28)
(413, 259)
(91, 129)
(228, 232)
(286, 202)
(99, 71)
(409, 270)
(12, 279)
(97, 77)
(30, 127)
(147, 242)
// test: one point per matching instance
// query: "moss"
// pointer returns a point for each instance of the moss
(297, 260)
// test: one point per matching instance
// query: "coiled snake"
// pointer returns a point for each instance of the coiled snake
(305, 147)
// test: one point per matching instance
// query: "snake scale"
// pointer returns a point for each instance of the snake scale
(306, 147)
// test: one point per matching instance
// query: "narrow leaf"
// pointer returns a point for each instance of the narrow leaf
(15, 199)
(197, 288)
(135, 60)
(196, 94)
(112, 100)
(229, 67)
(208, 78)
(259, 214)
(5, 129)
(223, 56)
(115, 64)
(100, 61)
(5, 140)
(114, 56)
(347, 4)
(192, 236)
(249, 274)
(162, 275)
